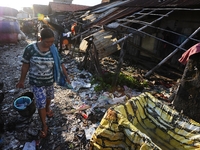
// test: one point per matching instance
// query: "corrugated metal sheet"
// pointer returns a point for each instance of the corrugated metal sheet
(136, 5)
(162, 3)
(62, 7)
(134, 10)
(119, 13)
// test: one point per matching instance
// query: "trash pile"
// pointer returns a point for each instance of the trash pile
(77, 111)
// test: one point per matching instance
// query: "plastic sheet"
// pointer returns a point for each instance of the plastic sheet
(7, 26)
(145, 123)
(30, 146)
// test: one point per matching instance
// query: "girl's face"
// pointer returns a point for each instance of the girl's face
(46, 43)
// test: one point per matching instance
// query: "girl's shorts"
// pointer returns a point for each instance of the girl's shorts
(41, 94)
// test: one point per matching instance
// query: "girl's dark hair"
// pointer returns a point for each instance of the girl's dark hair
(46, 33)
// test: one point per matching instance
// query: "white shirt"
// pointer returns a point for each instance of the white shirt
(68, 34)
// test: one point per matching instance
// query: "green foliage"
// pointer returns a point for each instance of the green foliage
(102, 84)
(105, 82)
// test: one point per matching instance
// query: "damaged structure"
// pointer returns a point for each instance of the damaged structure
(153, 30)
(156, 33)
(153, 34)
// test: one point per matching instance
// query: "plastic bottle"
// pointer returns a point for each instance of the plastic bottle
(85, 116)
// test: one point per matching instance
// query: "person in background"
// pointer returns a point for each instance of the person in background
(65, 40)
(39, 62)
(73, 28)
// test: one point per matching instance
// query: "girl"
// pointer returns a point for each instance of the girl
(38, 60)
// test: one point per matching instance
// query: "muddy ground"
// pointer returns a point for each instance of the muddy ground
(66, 131)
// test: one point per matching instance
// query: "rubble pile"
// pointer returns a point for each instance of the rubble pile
(77, 111)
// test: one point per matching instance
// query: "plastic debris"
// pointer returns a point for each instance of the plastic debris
(30, 145)
(116, 100)
(85, 116)
(89, 132)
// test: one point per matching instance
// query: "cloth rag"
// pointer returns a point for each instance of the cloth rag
(191, 51)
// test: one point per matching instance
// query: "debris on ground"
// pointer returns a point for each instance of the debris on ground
(77, 111)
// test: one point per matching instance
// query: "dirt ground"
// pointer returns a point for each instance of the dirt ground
(67, 131)
(18, 129)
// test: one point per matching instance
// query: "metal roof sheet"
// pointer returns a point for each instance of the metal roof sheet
(132, 6)
(162, 3)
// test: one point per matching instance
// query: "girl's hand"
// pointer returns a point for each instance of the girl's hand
(68, 80)
(20, 85)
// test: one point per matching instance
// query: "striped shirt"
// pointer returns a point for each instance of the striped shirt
(41, 65)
